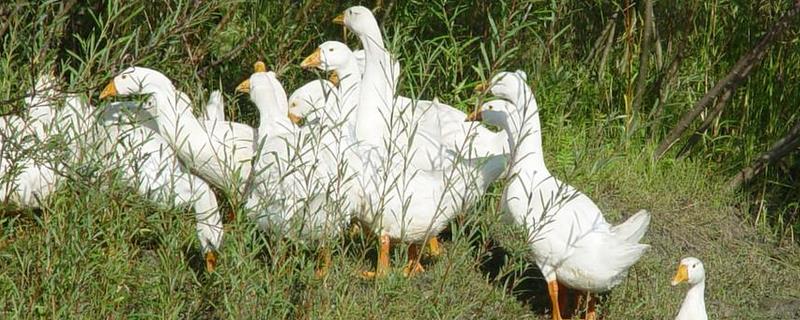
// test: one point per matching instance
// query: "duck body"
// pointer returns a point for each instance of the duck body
(218, 151)
(571, 241)
(300, 187)
(28, 175)
(144, 160)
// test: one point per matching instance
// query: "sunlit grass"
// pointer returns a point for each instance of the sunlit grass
(98, 249)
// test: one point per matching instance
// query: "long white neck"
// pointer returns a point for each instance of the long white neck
(525, 140)
(694, 305)
(174, 117)
(349, 90)
(273, 119)
(376, 96)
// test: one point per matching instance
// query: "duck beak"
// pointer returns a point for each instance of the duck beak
(681, 276)
(109, 91)
(339, 19)
(211, 261)
(259, 66)
(475, 115)
(334, 78)
(295, 119)
(312, 61)
(481, 87)
(244, 87)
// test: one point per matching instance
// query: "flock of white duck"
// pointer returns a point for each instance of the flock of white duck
(400, 167)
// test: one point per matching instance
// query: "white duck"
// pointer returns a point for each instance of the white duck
(220, 152)
(402, 202)
(27, 174)
(572, 243)
(144, 159)
(336, 57)
(299, 187)
(469, 138)
(308, 101)
(434, 130)
(694, 307)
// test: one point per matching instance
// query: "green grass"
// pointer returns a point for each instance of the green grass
(97, 249)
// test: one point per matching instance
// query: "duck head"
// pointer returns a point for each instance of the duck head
(495, 112)
(308, 98)
(135, 80)
(329, 56)
(691, 271)
(358, 19)
(263, 92)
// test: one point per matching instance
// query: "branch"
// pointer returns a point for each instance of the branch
(721, 103)
(741, 70)
(779, 149)
(644, 56)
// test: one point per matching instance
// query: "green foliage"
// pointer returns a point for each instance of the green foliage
(97, 249)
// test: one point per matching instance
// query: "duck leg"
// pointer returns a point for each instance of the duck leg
(590, 310)
(552, 288)
(211, 261)
(413, 267)
(383, 259)
(433, 245)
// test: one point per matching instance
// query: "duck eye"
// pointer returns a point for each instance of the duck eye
(331, 49)
(124, 77)
(491, 107)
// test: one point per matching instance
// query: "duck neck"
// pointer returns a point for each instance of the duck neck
(349, 88)
(376, 94)
(174, 116)
(525, 140)
(273, 118)
(694, 305)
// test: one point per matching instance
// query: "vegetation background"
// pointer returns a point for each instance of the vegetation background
(612, 79)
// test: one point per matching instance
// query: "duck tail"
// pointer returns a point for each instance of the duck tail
(633, 229)
(215, 108)
(624, 255)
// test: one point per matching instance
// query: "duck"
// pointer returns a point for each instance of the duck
(572, 243)
(28, 176)
(435, 131)
(336, 57)
(402, 202)
(114, 137)
(307, 102)
(300, 189)
(691, 271)
(220, 152)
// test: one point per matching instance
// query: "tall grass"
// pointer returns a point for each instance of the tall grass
(98, 249)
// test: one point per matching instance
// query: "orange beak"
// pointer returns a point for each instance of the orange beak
(244, 87)
(476, 115)
(259, 67)
(680, 276)
(295, 119)
(481, 87)
(109, 91)
(339, 19)
(334, 78)
(312, 61)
